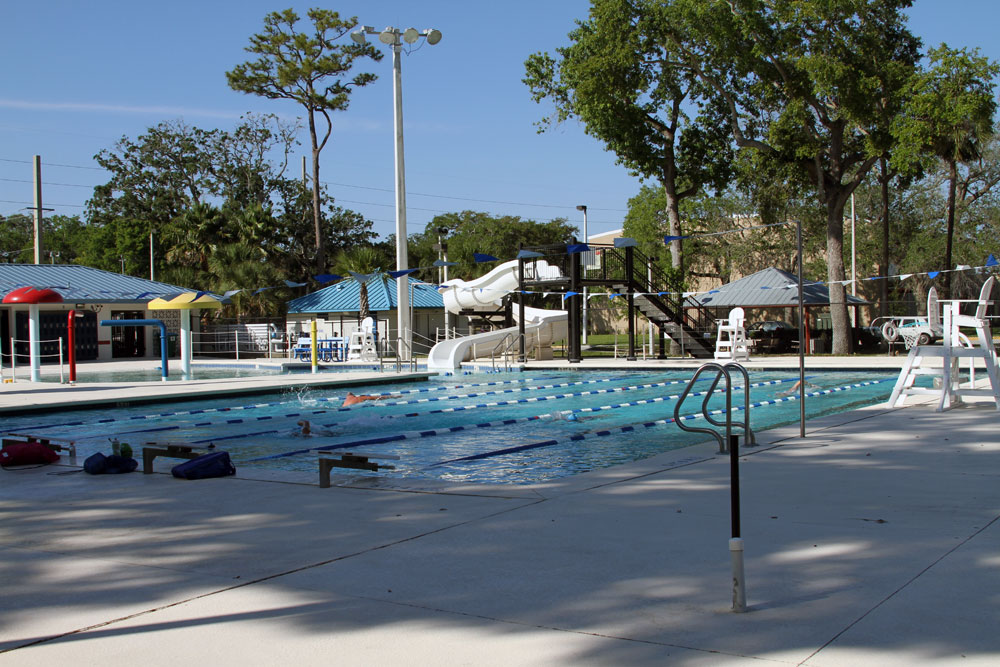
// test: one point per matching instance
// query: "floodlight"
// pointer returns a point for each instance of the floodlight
(387, 36)
(410, 35)
(433, 36)
(359, 36)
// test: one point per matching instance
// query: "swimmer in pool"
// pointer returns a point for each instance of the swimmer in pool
(306, 430)
(796, 387)
(354, 399)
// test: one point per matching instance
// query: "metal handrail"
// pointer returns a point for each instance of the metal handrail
(507, 352)
(721, 371)
(728, 445)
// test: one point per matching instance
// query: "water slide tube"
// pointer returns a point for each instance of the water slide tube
(541, 326)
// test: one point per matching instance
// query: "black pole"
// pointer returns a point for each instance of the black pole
(734, 482)
(573, 305)
(521, 356)
(629, 259)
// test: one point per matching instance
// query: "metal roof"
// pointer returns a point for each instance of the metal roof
(770, 288)
(345, 297)
(83, 284)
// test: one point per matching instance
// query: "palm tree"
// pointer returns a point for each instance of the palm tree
(362, 260)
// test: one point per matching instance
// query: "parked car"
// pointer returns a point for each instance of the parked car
(773, 336)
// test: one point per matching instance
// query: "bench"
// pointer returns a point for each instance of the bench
(149, 453)
(353, 460)
(69, 447)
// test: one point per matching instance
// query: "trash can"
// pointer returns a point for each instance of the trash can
(172, 345)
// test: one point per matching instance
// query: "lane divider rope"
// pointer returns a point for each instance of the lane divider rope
(411, 435)
(634, 427)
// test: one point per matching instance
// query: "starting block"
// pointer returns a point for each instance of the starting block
(151, 450)
(68, 447)
(353, 460)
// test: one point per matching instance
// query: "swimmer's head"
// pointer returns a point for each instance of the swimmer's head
(571, 417)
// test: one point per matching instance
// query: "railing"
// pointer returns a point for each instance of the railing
(722, 371)
(505, 350)
(14, 354)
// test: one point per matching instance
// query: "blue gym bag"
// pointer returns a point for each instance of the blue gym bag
(214, 464)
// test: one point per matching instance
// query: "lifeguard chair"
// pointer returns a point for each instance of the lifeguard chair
(361, 344)
(731, 338)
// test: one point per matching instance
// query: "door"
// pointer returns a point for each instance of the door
(128, 341)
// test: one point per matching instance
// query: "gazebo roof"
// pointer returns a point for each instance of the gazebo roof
(770, 288)
(345, 297)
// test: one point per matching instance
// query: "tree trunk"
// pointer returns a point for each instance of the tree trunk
(949, 235)
(320, 246)
(674, 225)
(835, 273)
(883, 269)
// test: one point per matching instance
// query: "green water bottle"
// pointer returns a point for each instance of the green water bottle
(126, 450)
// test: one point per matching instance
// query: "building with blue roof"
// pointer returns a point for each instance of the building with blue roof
(98, 295)
(337, 310)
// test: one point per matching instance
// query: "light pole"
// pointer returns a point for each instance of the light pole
(586, 239)
(394, 37)
(443, 264)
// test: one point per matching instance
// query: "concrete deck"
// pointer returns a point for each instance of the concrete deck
(873, 541)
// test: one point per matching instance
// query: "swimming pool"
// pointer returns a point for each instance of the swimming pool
(467, 429)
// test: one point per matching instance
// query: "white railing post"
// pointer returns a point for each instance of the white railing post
(61, 379)
(13, 361)
(236, 336)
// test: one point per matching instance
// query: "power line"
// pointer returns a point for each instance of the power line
(66, 185)
(10, 201)
(54, 164)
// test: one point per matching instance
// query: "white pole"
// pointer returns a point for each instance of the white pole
(152, 272)
(854, 282)
(13, 361)
(38, 212)
(185, 344)
(586, 261)
(236, 335)
(61, 379)
(34, 343)
(402, 295)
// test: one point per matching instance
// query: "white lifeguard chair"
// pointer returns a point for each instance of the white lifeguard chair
(361, 344)
(731, 338)
(946, 376)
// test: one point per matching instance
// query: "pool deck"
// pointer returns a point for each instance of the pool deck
(875, 540)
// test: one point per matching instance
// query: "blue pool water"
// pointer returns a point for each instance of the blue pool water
(471, 429)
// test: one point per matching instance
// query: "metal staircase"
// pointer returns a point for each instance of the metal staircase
(683, 319)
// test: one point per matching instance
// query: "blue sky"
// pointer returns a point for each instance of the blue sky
(77, 76)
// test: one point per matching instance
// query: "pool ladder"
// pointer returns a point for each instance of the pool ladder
(721, 371)
(728, 444)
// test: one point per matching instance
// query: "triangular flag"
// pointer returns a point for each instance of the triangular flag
(362, 277)
(289, 283)
(261, 289)
(401, 272)
(992, 261)
(933, 274)
(230, 293)
(569, 294)
(327, 277)
(441, 262)
(625, 242)
(572, 248)
(483, 257)
(528, 254)
(904, 276)
(962, 267)
(668, 239)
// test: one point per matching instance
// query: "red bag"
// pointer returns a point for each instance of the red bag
(26, 453)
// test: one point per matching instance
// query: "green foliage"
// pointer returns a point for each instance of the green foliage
(311, 69)
(469, 232)
(622, 79)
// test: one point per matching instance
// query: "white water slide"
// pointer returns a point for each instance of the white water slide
(541, 326)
